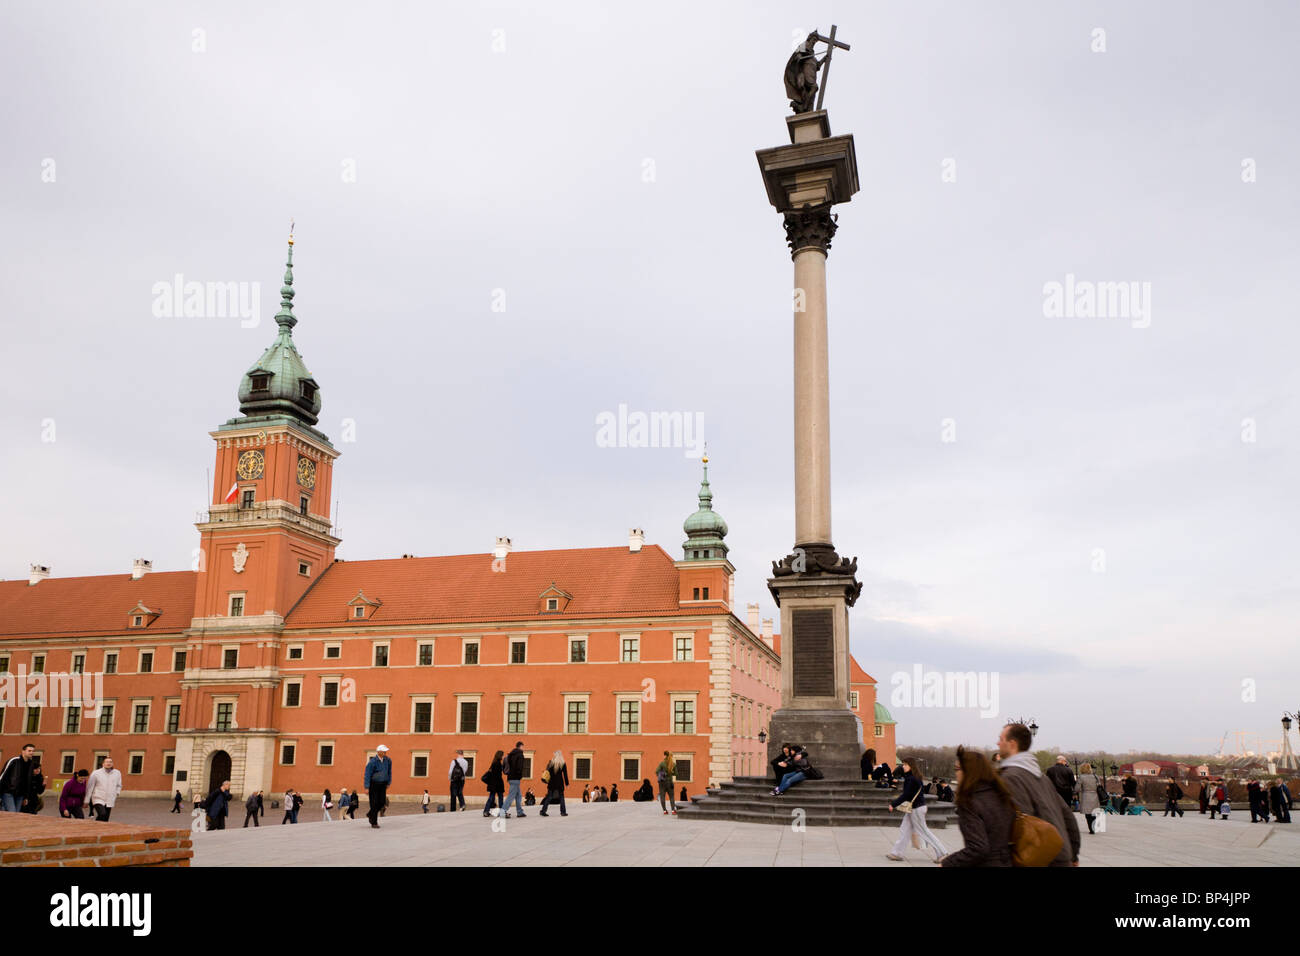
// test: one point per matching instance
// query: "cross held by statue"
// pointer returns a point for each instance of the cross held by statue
(831, 44)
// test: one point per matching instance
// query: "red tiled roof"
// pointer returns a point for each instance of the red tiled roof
(59, 607)
(604, 582)
(856, 674)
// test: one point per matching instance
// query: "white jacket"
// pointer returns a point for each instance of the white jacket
(103, 787)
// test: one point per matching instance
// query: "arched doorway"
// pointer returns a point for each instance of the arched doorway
(220, 771)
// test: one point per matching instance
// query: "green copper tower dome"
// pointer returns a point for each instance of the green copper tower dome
(279, 385)
(705, 529)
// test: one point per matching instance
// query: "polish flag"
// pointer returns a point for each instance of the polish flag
(233, 493)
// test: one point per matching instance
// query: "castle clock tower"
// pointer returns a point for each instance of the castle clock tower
(266, 538)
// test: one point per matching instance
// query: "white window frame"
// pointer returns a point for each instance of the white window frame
(105, 702)
(464, 643)
(279, 752)
(428, 764)
(432, 701)
(591, 757)
(331, 679)
(153, 660)
(586, 649)
(586, 726)
(619, 700)
(636, 648)
(290, 648)
(689, 756)
(180, 650)
(470, 698)
(229, 647)
(284, 697)
(233, 701)
(388, 654)
(334, 752)
(332, 646)
(689, 637)
(304, 564)
(510, 648)
(419, 646)
(130, 755)
(386, 700)
(625, 755)
(230, 603)
(169, 755)
(64, 754)
(507, 700)
(673, 698)
(855, 700)
(141, 702)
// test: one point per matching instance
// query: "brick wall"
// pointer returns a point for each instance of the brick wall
(27, 840)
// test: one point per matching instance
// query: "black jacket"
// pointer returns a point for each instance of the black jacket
(559, 779)
(217, 803)
(911, 791)
(17, 776)
(492, 778)
(515, 765)
(1062, 778)
(986, 823)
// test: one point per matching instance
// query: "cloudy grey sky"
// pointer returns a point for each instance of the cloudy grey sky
(595, 163)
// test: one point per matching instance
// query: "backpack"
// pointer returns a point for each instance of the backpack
(457, 772)
(1034, 842)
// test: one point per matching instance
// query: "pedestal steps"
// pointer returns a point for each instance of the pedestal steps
(844, 803)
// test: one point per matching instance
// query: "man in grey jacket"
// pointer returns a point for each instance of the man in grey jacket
(1032, 792)
(102, 789)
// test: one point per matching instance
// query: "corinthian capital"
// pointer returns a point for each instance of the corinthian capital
(814, 229)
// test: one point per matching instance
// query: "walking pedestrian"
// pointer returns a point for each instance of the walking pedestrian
(16, 779)
(1062, 778)
(496, 787)
(1203, 796)
(456, 780)
(514, 767)
(911, 802)
(288, 807)
(1255, 798)
(1217, 795)
(986, 813)
(354, 801)
(73, 796)
(250, 808)
(217, 806)
(1033, 793)
(102, 789)
(1089, 801)
(345, 803)
(1173, 793)
(665, 772)
(261, 804)
(176, 802)
(556, 778)
(326, 804)
(379, 774)
(424, 801)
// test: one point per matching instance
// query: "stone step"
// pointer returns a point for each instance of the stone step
(782, 814)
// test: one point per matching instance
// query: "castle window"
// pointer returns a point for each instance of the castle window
(334, 651)
(78, 663)
(329, 696)
(302, 505)
(684, 649)
(138, 621)
(178, 661)
(631, 649)
(236, 605)
(695, 593)
(471, 652)
(225, 714)
(424, 654)
(249, 497)
(518, 652)
(853, 700)
(230, 658)
(359, 611)
(552, 604)
(260, 382)
(173, 718)
(146, 662)
(287, 753)
(706, 593)
(880, 731)
(295, 653)
(381, 655)
(325, 755)
(110, 663)
(308, 391)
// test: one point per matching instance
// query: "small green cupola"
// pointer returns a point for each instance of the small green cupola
(705, 529)
(279, 385)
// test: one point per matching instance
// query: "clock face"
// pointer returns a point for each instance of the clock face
(306, 472)
(251, 464)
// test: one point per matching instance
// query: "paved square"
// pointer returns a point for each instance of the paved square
(631, 834)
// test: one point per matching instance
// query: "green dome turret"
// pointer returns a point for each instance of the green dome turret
(279, 385)
(705, 529)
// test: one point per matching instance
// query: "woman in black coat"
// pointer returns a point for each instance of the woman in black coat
(556, 781)
(985, 814)
(494, 781)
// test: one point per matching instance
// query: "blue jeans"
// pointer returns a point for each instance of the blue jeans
(494, 799)
(12, 803)
(513, 794)
(790, 779)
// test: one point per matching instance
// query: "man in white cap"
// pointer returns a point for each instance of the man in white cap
(379, 774)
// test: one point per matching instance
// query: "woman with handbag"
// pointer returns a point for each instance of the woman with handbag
(327, 804)
(494, 781)
(1089, 799)
(985, 813)
(556, 778)
(911, 802)
(666, 770)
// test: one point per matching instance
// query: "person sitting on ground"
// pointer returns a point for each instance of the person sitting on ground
(529, 798)
(613, 793)
(986, 813)
(644, 792)
(586, 793)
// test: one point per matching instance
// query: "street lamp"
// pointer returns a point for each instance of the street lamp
(1030, 723)
(762, 736)
(1287, 759)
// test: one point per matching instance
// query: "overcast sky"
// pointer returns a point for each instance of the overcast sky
(1102, 533)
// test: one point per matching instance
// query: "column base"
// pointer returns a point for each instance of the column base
(833, 739)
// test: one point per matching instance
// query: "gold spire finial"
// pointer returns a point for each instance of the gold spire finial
(291, 223)
(706, 453)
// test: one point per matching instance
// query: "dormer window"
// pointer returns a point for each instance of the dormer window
(362, 608)
(552, 600)
(359, 611)
(552, 604)
(137, 621)
(261, 383)
(308, 391)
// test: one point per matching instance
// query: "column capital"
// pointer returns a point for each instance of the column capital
(812, 229)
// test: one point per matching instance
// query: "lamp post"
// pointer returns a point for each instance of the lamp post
(1030, 723)
(762, 736)
(1287, 759)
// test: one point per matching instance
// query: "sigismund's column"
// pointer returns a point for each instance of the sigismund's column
(813, 585)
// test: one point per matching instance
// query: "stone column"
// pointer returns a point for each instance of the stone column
(813, 585)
